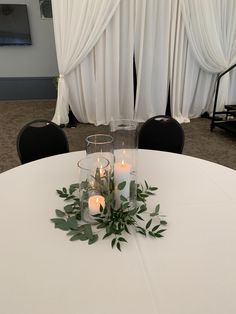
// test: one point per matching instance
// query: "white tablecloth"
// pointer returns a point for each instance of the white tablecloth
(191, 270)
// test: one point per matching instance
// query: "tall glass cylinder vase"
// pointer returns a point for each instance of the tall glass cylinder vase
(124, 133)
(100, 145)
(94, 186)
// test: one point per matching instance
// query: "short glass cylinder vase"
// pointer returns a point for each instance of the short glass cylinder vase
(100, 145)
(124, 133)
(94, 186)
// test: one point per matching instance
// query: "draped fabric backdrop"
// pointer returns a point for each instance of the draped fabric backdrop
(182, 44)
(101, 87)
(211, 31)
(78, 25)
(152, 36)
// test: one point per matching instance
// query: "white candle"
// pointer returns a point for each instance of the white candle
(94, 203)
(121, 174)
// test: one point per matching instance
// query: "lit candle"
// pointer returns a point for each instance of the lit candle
(121, 174)
(94, 203)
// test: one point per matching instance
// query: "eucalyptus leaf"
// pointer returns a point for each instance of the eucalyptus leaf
(88, 231)
(72, 222)
(60, 223)
(122, 239)
(64, 190)
(139, 217)
(118, 246)
(68, 208)
(123, 199)
(113, 242)
(60, 213)
(121, 185)
(79, 236)
(153, 188)
(113, 221)
(93, 240)
(155, 228)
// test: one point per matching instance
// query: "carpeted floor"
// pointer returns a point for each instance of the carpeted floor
(217, 146)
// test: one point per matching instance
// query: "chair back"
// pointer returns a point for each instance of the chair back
(161, 133)
(39, 139)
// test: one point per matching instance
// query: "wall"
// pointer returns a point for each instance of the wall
(30, 67)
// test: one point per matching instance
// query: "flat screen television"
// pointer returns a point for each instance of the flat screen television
(14, 25)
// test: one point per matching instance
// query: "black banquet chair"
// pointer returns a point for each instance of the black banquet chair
(161, 133)
(39, 139)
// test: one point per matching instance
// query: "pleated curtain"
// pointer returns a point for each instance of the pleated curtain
(181, 45)
(77, 26)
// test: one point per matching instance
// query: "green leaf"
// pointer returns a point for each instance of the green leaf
(157, 209)
(159, 235)
(125, 205)
(155, 228)
(88, 231)
(79, 236)
(118, 246)
(73, 232)
(60, 224)
(141, 230)
(163, 222)
(126, 229)
(142, 209)
(152, 234)
(121, 185)
(123, 199)
(73, 188)
(122, 239)
(71, 197)
(153, 188)
(61, 194)
(72, 222)
(68, 208)
(113, 242)
(93, 240)
(150, 193)
(160, 231)
(149, 224)
(133, 211)
(139, 217)
(107, 234)
(64, 190)
(58, 220)
(60, 213)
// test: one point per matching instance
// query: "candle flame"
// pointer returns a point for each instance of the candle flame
(97, 200)
(123, 162)
(101, 171)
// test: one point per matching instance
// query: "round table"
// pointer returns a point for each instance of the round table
(191, 270)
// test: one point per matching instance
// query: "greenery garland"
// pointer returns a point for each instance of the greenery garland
(114, 222)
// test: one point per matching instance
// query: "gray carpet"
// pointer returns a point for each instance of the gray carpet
(217, 146)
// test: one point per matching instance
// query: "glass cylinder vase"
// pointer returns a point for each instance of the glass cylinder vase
(94, 186)
(124, 133)
(100, 145)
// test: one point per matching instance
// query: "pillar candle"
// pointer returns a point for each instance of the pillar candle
(94, 203)
(121, 174)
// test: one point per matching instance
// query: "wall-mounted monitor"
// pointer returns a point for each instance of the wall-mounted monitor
(14, 25)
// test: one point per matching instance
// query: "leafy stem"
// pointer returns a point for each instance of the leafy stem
(114, 222)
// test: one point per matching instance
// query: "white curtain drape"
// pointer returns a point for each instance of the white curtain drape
(211, 30)
(78, 25)
(191, 88)
(152, 36)
(101, 87)
(184, 43)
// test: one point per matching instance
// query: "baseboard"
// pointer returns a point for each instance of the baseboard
(18, 88)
